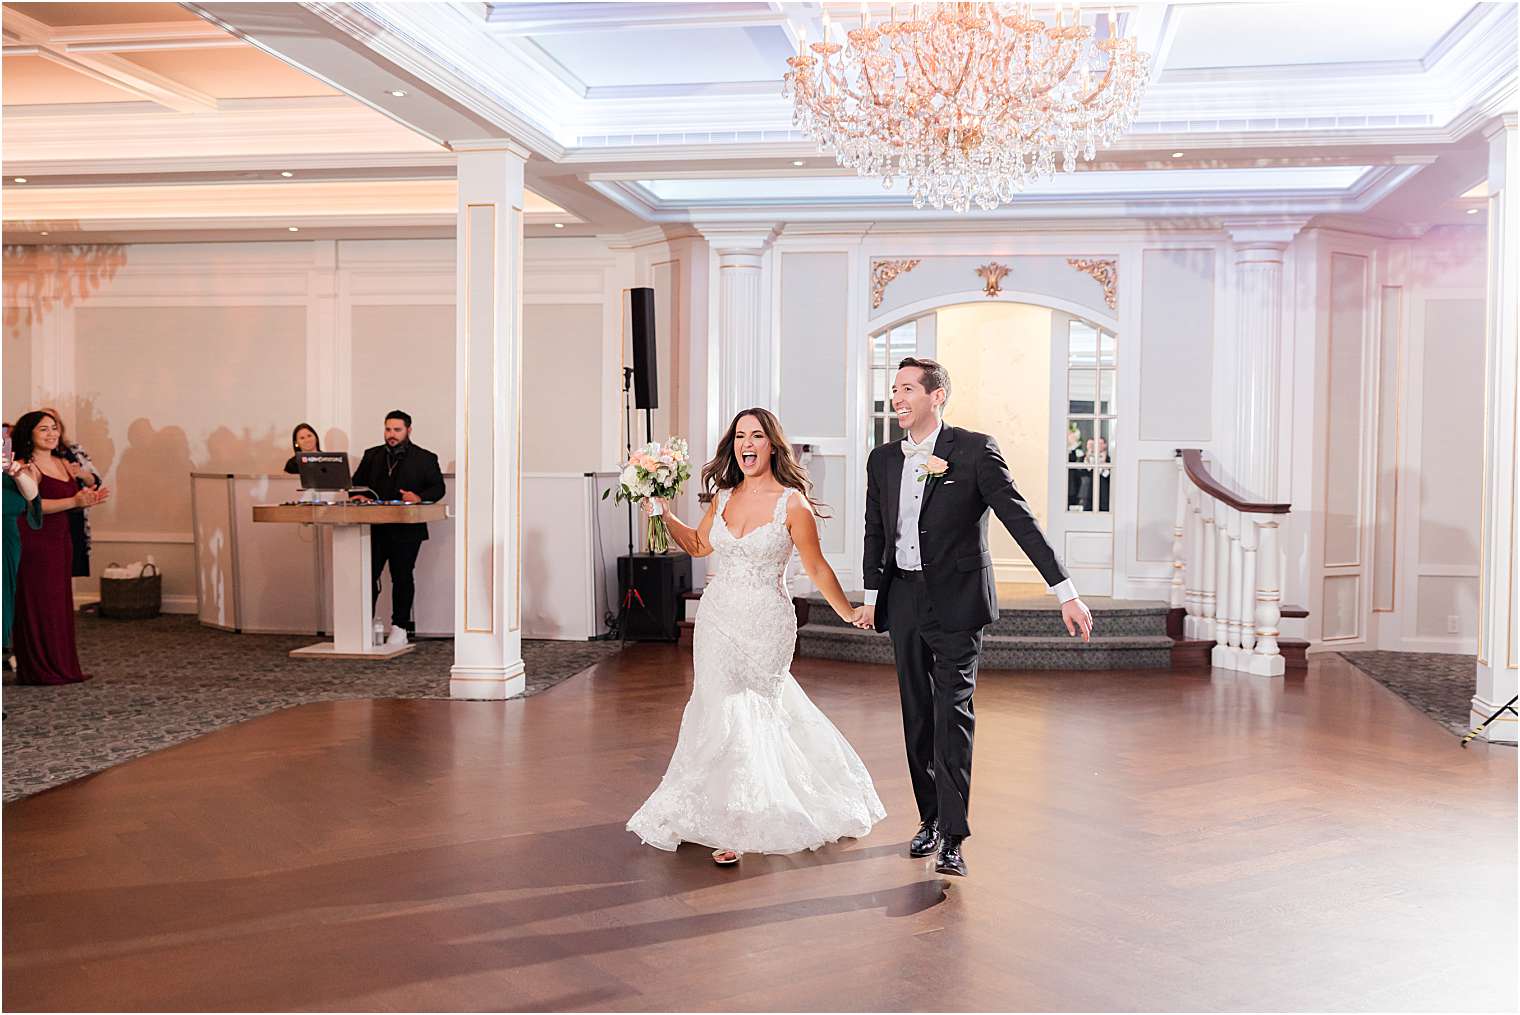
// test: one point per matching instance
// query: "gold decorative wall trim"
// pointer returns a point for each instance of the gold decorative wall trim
(883, 272)
(993, 274)
(1104, 272)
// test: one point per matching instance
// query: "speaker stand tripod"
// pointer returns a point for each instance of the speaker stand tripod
(1509, 706)
(631, 595)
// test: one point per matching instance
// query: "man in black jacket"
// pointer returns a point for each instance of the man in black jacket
(929, 583)
(398, 470)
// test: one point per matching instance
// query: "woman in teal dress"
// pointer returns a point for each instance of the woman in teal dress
(22, 507)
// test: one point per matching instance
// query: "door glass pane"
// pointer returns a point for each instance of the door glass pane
(1086, 430)
(1082, 345)
(1106, 350)
(1079, 489)
(1081, 389)
(1108, 383)
(904, 343)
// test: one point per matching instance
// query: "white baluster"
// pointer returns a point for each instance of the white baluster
(1266, 660)
(1209, 596)
(1222, 656)
(1194, 598)
(1179, 523)
(1237, 588)
(1248, 546)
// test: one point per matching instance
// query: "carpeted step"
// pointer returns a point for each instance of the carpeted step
(1000, 652)
(1117, 618)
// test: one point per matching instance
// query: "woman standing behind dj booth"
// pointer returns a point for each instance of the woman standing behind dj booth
(302, 438)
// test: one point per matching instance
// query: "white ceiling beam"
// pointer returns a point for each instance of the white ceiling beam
(117, 71)
(146, 31)
(549, 19)
(123, 73)
(155, 45)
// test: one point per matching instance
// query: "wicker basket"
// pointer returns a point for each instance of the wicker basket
(132, 598)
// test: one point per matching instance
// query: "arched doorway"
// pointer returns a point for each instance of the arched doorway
(1042, 379)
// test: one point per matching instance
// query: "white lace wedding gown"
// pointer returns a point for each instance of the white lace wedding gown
(757, 767)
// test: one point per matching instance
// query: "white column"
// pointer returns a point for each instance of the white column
(488, 397)
(1498, 653)
(744, 345)
(1260, 245)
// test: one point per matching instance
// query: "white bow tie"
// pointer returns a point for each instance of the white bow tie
(911, 450)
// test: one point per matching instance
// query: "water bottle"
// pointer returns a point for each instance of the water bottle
(377, 638)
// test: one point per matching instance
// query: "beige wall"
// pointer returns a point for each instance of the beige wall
(998, 356)
(201, 357)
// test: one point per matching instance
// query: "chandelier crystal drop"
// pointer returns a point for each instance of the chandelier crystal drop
(968, 102)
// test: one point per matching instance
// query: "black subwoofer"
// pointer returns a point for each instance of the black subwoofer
(652, 587)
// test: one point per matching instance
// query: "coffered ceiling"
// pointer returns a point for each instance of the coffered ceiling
(642, 114)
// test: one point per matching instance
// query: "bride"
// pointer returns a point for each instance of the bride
(757, 767)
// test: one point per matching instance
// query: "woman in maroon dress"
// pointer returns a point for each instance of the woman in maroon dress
(44, 625)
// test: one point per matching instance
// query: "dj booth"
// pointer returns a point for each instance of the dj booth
(276, 578)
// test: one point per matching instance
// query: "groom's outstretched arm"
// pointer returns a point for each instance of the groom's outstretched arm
(996, 485)
(876, 534)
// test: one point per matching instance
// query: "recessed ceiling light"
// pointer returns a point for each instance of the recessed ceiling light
(294, 229)
(559, 225)
(396, 93)
(20, 179)
(286, 173)
(1178, 155)
(43, 233)
(797, 162)
(1472, 211)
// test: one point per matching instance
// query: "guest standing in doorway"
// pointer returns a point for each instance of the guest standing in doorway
(398, 470)
(44, 622)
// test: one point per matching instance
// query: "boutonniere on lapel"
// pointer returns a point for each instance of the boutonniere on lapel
(934, 468)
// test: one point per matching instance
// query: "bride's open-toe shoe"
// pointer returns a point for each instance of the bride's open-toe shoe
(725, 857)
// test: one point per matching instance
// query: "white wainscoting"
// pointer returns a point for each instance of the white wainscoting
(202, 357)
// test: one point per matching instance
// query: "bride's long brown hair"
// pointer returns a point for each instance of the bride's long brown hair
(724, 473)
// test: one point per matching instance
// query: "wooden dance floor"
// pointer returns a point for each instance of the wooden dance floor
(1147, 840)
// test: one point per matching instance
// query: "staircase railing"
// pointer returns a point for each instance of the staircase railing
(1227, 570)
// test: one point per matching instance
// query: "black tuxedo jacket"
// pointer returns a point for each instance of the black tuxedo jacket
(417, 472)
(952, 528)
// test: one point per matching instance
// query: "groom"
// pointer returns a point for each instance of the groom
(929, 583)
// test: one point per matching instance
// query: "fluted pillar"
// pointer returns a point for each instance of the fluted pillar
(740, 317)
(1498, 639)
(488, 660)
(1260, 247)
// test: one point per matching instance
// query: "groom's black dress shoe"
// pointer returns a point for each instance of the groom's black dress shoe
(950, 859)
(927, 839)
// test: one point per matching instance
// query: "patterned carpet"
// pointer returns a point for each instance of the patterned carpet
(160, 682)
(1437, 684)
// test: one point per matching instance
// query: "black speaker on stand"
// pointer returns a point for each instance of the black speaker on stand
(653, 583)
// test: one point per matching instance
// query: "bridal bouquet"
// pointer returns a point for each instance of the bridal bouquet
(655, 471)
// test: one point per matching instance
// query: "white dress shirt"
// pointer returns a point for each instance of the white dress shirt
(910, 503)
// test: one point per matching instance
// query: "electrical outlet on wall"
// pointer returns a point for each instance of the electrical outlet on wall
(1453, 624)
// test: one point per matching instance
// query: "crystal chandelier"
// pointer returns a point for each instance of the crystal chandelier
(966, 101)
